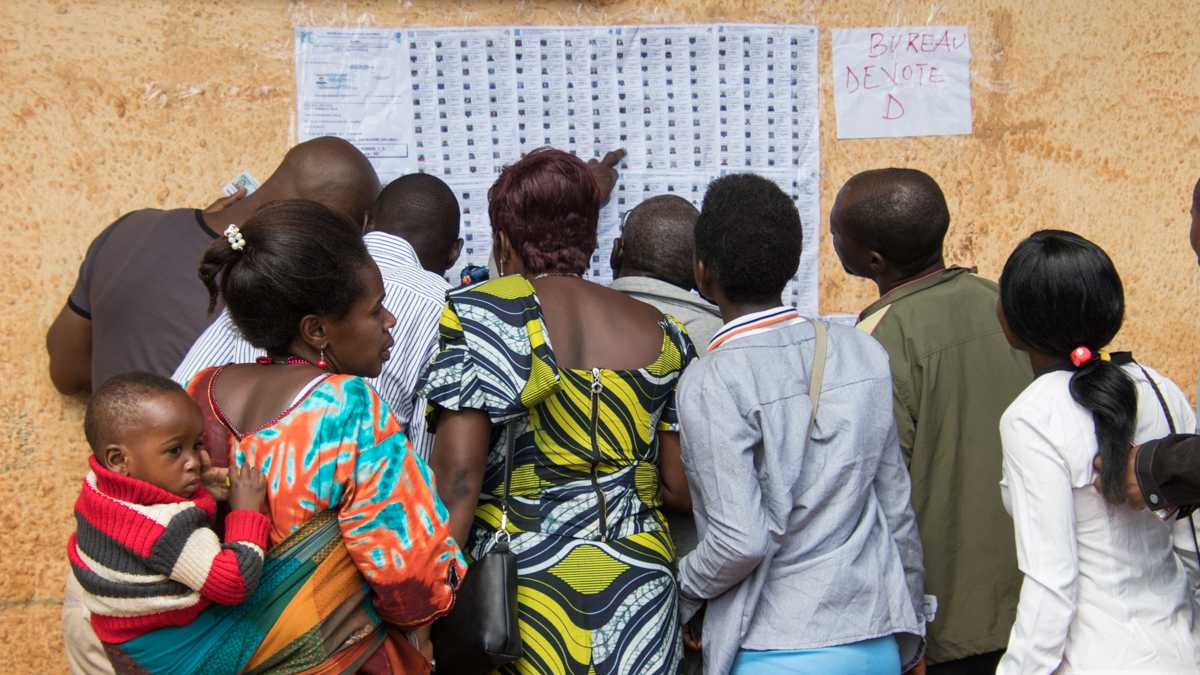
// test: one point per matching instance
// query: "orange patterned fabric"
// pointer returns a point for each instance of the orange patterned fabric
(340, 449)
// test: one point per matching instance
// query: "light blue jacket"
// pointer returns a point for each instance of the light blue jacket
(803, 543)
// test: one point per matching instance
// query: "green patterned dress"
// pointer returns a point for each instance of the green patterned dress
(596, 586)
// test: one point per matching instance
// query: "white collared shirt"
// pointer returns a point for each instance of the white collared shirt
(1104, 589)
(414, 295)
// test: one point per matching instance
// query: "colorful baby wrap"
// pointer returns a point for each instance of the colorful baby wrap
(311, 613)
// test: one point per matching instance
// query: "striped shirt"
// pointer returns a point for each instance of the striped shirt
(414, 295)
(146, 558)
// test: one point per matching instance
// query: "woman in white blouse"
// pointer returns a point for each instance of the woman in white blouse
(1104, 590)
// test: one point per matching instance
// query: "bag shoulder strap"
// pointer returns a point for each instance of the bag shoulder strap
(510, 439)
(1161, 400)
(817, 376)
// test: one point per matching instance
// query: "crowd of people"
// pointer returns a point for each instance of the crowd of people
(303, 437)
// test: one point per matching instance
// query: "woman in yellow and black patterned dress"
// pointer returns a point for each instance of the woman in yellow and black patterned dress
(586, 378)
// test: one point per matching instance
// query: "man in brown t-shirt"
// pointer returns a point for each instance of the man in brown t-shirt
(138, 303)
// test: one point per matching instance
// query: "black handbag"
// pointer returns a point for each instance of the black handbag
(480, 633)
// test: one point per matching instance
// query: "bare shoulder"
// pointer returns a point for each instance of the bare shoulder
(591, 325)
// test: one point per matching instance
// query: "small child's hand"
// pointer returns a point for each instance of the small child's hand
(248, 489)
(215, 478)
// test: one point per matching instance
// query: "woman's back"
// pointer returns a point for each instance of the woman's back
(359, 537)
(1111, 591)
(606, 480)
(594, 326)
(335, 447)
(590, 541)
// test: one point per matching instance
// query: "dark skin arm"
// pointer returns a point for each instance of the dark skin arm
(672, 481)
(224, 202)
(458, 460)
(69, 343)
(1133, 491)
(605, 171)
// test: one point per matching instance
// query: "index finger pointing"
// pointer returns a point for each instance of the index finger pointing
(613, 157)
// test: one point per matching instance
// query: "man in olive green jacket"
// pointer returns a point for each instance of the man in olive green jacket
(953, 375)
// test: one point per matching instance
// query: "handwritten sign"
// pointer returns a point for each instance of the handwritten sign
(902, 81)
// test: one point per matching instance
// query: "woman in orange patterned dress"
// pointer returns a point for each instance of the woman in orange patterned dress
(299, 284)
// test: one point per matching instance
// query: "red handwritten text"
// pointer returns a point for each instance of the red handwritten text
(912, 42)
(875, 76)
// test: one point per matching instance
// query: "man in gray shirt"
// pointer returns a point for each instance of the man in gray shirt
(138, 303)
(808, 544)
(652, 262)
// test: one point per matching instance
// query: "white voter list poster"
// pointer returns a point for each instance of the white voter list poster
(688, 103)
(902, 81)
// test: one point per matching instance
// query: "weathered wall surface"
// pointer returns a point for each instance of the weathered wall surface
(1085, 118)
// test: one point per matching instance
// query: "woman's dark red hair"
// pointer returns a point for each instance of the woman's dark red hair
(547, 204)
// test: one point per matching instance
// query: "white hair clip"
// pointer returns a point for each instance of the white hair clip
(234, 236)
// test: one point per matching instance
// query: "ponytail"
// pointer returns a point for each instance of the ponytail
(1061, 297)
(217, 260)
(1104, 389)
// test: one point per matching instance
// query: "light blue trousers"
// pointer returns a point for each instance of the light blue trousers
(879, 656)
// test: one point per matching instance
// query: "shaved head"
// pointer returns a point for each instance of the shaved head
(329, 171)
(114, 408)
(423, 210)
(900, 214)
(658, 240)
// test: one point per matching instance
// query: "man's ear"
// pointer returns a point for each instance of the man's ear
(455, 251)
(114, 458)
(877, 265)
(705, 283)
(614, 258)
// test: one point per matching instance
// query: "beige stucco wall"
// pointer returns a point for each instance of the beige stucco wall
(1086, 117)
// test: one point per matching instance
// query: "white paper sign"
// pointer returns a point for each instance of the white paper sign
(354, 84)
(902, 81)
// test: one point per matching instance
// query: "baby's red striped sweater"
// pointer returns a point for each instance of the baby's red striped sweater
(147, 559)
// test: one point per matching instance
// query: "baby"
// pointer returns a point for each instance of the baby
(142, 549)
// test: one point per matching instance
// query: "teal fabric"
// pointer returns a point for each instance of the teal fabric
(223, 638)
(880, 656)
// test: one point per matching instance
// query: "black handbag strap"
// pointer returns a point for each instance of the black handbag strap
(1158, 393)
(510, 431)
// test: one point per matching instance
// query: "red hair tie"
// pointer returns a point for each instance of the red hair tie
(1081, 356)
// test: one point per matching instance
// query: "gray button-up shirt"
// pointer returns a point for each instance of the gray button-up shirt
(804, 543)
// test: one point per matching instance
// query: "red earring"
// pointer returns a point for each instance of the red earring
(321, 362)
